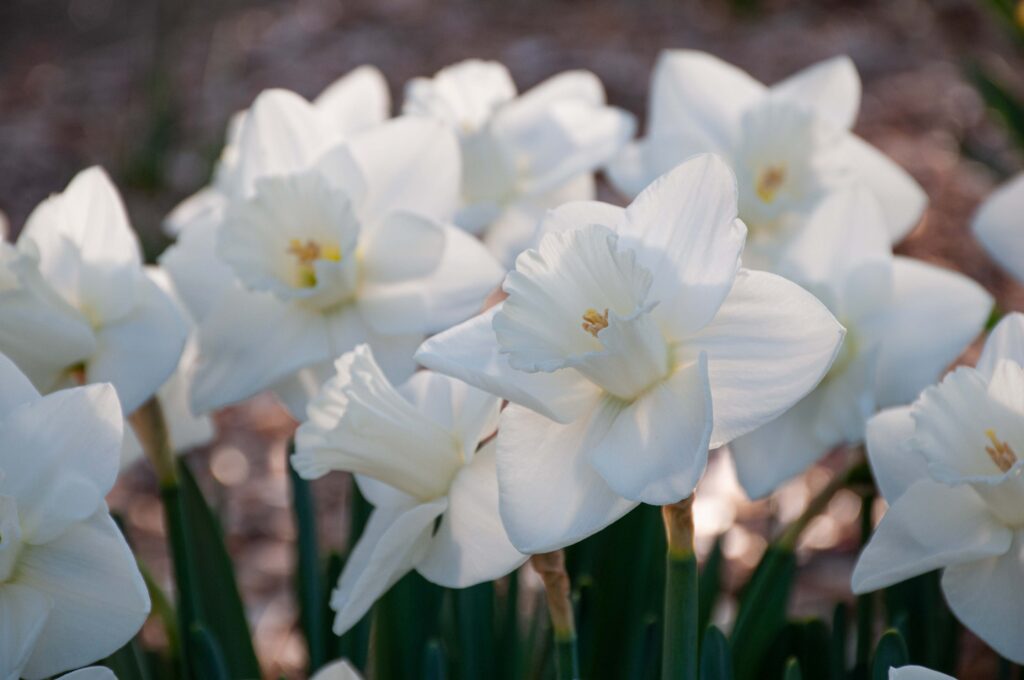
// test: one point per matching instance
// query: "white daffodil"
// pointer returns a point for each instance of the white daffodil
(128, 331)
(337, 670)
(521, 154)
(326, 246)
(949, 469)
(414, 452)
(917, 673)
(999, 225)
(90, 673)
(790, 145)
(70, 591)
(355, 102)
(630, 342)
(905, 320)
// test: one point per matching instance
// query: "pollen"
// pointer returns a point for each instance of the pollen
(769, 181)
(594, 321)
(1000, 452)
(309, 252)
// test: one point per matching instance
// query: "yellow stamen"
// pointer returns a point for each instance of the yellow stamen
(594, 321)
(309, 252)
(769, 181)
(1000, 452)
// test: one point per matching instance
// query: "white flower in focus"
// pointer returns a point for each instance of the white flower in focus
(414, 452)
(70, 591)
(630, 342)
(790, 145)
(327, 245)
(89, 256)
(521, 154)
(948, 467)
(905, 320)
(355, 102)
(999, 225)
(916, 673)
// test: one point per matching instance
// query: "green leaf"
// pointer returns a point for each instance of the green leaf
(918, 610)
(837, 646)
(999, 100)
(474, 620)
(762, 609)
(405, 619)
(222, 613)
(710, 585)
(208, 659)
(890, 653)
(792, 671)
(129, 662)
(309, 588)
(715, 656)
(434, 662)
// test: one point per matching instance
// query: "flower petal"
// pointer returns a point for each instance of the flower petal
(930, 525)
(91, 673)
(1006, 341)
(409, 163)
(894, 461)
(248, 342)
(769, 345)
(684, 229)
(902, 198)
(471, 545)
(74, 439)
(550, 494)
(23, 613)
(657, 447)
(830, 87)
(470, 353)
(925, 298)
(99, 598)
(468, 413)
(987, 598)
(16, 388)
(139, 352)
(402, 247)
(997, 226)
(356, 101)
(391, 544)
(200, 277)
(916, 673)
(457, 289)
(337, 670)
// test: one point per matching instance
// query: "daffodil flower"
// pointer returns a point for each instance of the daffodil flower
(129, 331)
(949, 467)
(416, 453)
(905, 320)
(998, 226)
(917, 673)
(337, 670)
(326, 246)
(790, 145)
(521, 153)
(631, 341)
(70, 591)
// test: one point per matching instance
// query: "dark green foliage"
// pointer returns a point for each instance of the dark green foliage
(715, 656)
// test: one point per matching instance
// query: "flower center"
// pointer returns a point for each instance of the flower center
(594, 322)
(769, 181)
(309, 252)
(1000, 452)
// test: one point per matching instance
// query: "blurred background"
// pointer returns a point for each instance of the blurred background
(145, 88)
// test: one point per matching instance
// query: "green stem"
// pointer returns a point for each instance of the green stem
(679, 660)
(551, 568)
(310, 587)
(854, 471)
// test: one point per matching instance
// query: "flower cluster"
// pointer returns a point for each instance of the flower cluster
(579, 358)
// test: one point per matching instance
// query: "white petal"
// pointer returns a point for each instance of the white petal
(200, 276)
(15, 388)
(830, 87)
(464, 95)
(1006, 341)
(202, 209)
(356, 101)
(997, 226)
(930, 525)
(72, 440)
(684, 229)
(457, 289)
(914, 350)
(91, 673)
(902, 198)
(468, 413)
(393, 541)
(895, 462)
(100, 600)
(250, 341)
(337, 670)
(550, 494)
(695, 91)
(470, 353)
(471, 545)
(409, 163)
(769, 345)
(23, 613)
(916, 673)
(574, 214)
(139, 352)
(987, 598)
(657, 447)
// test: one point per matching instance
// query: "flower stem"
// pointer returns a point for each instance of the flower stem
(679, 645)
(551, 568)
(854, 471)
(308, 581)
